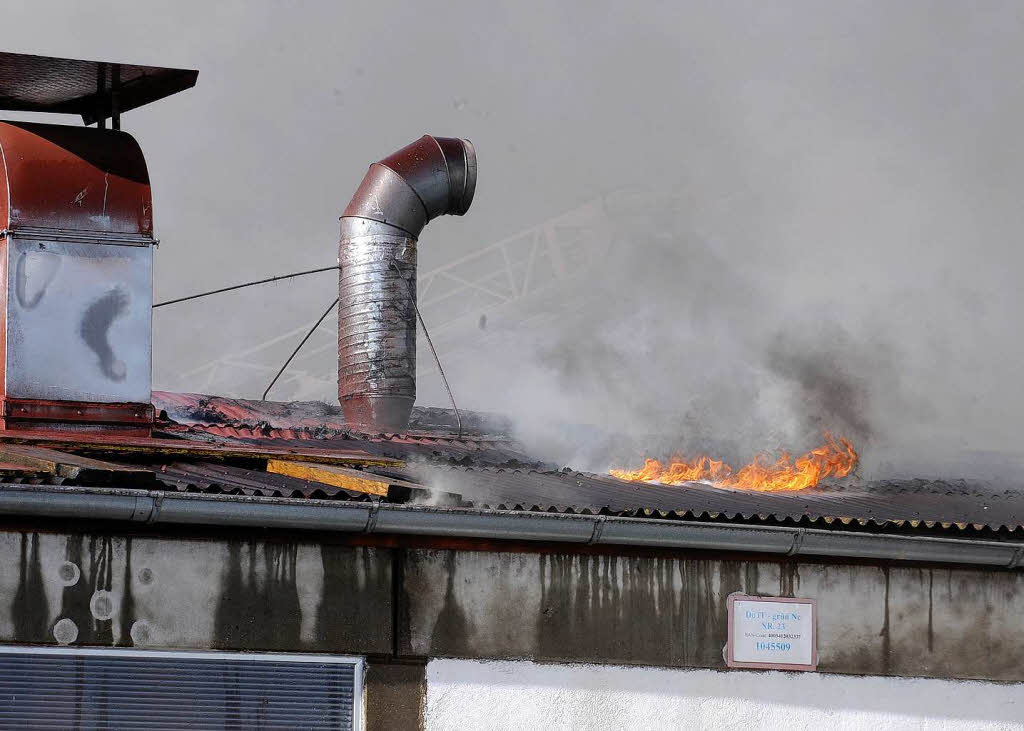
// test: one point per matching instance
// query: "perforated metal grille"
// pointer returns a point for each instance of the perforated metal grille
(41, 688)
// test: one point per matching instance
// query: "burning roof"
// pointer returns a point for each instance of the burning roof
(97, 442)
(835, 458)
(488, 468)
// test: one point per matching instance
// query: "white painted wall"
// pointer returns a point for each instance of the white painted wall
(482, 696)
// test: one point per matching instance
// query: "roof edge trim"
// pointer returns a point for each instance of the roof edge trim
(151, 507)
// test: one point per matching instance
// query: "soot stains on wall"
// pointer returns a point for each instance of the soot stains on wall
(82, 589)
(875, 620)
(259, 605)
(658, 610)
(353, 614)
(29, 608)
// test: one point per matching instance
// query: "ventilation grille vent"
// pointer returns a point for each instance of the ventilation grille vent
(45, 688)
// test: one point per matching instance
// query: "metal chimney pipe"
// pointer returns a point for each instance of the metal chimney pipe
(399, 195)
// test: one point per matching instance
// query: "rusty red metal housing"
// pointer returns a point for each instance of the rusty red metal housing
(39, 415)
(76, 243)
(64, 188)
(73, 179)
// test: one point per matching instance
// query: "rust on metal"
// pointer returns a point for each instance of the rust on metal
(99, 443)
(76, 238)
(100, 413)
(74, 203)
(73, 179)
(39, 415)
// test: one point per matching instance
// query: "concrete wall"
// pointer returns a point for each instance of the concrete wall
(79, 589)
(876, 620)
(231, 592)
(506, 696)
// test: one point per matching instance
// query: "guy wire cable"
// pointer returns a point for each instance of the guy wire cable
(433, 352)
(299, 346)
(246, 284)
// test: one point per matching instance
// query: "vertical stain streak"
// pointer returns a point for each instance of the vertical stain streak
(451, 625)
(789, 578)
(750, 578)
(259, 615)
(74, 600)
(30, 610)
(284, 613)
(885, 633)
(101, 559)
(127, 613)
(931, 626)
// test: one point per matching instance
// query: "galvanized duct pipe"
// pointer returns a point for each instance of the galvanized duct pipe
(377, 283)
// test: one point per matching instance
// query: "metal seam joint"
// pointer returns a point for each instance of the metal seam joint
(798, 539)
(158, 501)
(371, 517)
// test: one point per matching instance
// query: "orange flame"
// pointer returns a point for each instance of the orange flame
(835, 458)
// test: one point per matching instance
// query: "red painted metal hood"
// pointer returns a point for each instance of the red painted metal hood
(73, 179)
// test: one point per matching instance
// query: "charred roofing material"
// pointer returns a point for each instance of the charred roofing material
(201, 409)
(218, 474)
(494, 472)
(914, 503)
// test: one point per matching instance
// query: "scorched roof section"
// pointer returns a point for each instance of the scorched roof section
(489, 469)
(298, 453)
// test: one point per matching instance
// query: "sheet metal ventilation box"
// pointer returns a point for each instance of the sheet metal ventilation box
(76, 278)
(76, 246)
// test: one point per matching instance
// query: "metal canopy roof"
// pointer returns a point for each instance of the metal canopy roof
(91, 89)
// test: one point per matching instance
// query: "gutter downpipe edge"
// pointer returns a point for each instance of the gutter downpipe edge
(153, 507)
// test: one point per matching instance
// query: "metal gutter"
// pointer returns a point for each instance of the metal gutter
(157, 507)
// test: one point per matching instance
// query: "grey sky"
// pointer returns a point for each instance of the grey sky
(851, 170)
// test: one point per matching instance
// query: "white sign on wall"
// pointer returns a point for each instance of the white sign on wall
(772, 632)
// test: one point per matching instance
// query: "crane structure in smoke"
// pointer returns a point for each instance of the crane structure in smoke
(503, 280)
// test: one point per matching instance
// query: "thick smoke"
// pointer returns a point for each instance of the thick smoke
(666, 348)
(829, 239)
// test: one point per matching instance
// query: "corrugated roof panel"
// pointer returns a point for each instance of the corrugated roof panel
(878, 503)
(494, 471)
